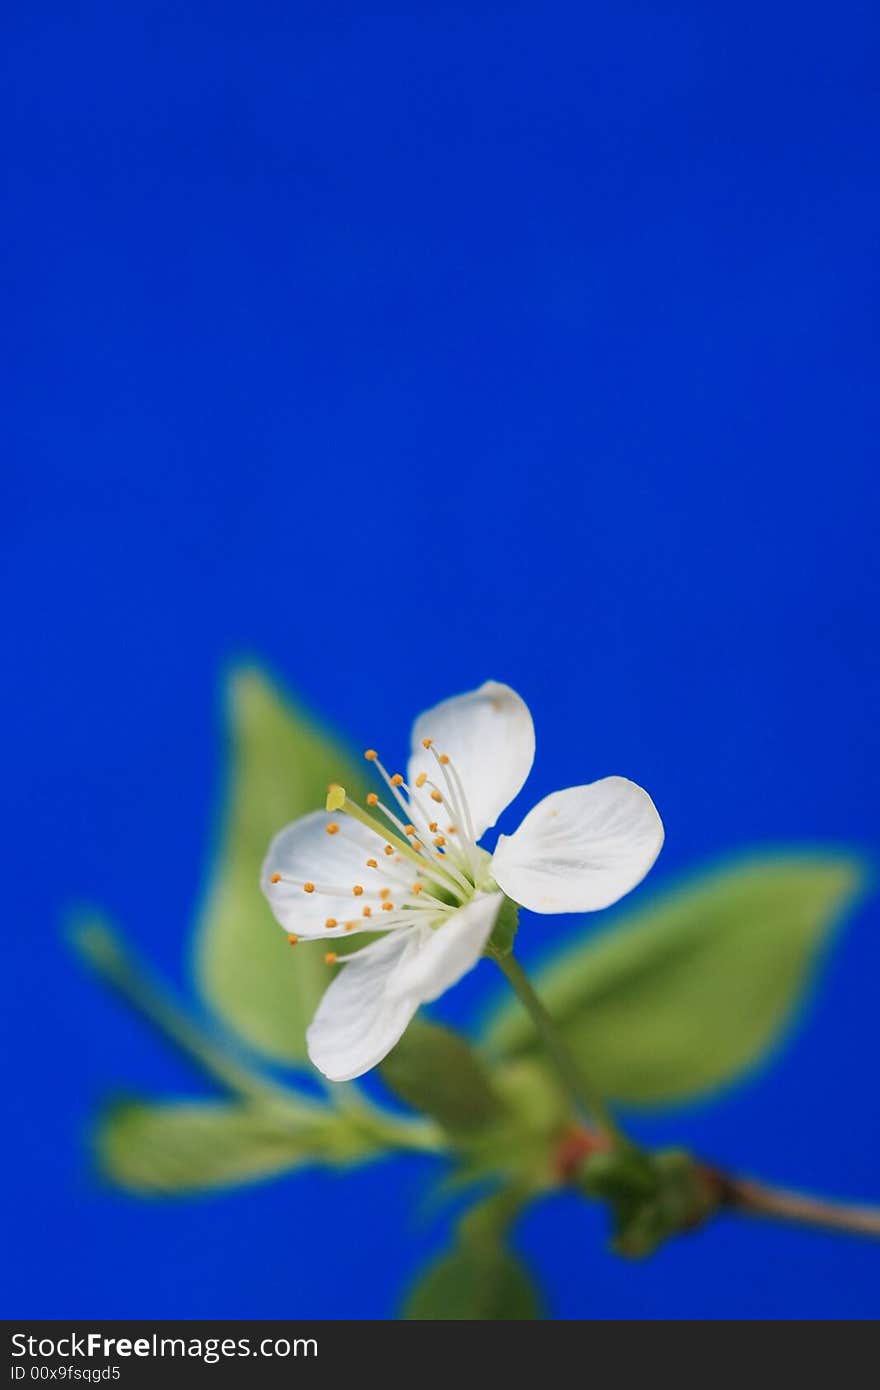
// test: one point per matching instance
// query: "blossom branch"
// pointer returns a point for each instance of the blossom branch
(129, 978)
(750, 1198)
(584, 1095)
(726, 1192)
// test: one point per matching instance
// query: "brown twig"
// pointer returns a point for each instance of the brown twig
(744, 1196)
(798, 1208)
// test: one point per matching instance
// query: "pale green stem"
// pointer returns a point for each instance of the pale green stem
(131, 979)
(579, 1087)
(134, 982)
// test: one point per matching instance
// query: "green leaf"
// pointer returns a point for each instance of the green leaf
(480, 1280)
(536, 1099)
(436, 1071)
(193, 1146)
(479, 1283)
(282, 763)
(688, 993)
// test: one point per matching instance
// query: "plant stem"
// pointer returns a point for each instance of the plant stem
(391, 1131)
(582, 1092)
(800, 1209)
(740, 1196)
(130, 978)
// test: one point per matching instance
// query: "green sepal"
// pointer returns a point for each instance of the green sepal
(500, 943)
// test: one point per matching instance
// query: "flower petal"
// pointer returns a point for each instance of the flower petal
(490, 739)
(580, 849)
(304, 853)
(366, 1009)
(359, 1019)
(447, 952)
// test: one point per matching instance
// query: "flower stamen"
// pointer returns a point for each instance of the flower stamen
(332, 890)
(337, 799)
(458, 805)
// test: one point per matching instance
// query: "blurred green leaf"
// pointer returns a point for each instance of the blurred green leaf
(534, 1097)
(282, 763)
(652, 1197)
(192, 1146)
(475, 1284)
(480, 1280)
(437, 1072)
(687, 993)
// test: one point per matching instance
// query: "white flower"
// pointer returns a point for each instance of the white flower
(411, 867)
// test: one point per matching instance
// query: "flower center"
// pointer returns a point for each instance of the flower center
(429, 864)
(427, 823)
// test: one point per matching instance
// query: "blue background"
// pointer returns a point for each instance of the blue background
(401, 348)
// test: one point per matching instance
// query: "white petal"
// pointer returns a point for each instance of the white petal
(580, 849)
(447, 952)
(359, 1019)
(366, 1009)
(305, 853)
(489, 736)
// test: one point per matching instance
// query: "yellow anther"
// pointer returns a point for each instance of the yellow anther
(331, 922)
(451, 830)
(330, 958)
(308, 887)
(388, 907)
(421, 779)
(432, 826)
(417, 888)
(276, 878)
(367, 912)
(292, 939)
(416, 844)
(389, 849)
(384, 892)
(436, 796)
(372, 799)
(443, 758)
(371, 755)
(409, 830)
(357, 890)
(350, 926)
(426, 742)
(335, 797)
(332, 828)
(440, 841)
(397, 780)
(372, 863)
